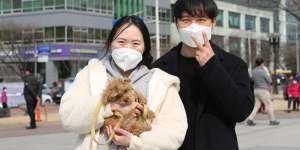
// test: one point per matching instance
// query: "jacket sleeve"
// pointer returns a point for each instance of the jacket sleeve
(168, 128)
(77, 106)
(230, 93)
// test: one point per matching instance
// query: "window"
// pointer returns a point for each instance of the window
(6, 6)
(39, 35)
(27, 6)
(98, 35)
(49, 2)
(70, 4)
(264, 25)
(234, 20)
(27, 36)
(235, 46)
(219, 18)
(17, 4)
(91, 35)
(37, 5)
(70, 34)
(0, 6)
(59, 4)
(250, 22)
(164, 13)
(292, 32)
(90, 4)
(105, 34)
(60, 34)
(83, 4)
(104, 4)
(219, 40)
(83, 35)
(49, 33)
(77, 4)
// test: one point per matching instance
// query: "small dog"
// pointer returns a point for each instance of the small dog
(121, 91)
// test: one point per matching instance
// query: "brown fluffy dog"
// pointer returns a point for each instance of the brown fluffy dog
(121, 91)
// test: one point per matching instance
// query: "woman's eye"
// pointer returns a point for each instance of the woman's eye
(136, 43)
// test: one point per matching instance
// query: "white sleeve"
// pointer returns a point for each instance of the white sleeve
(78, 105)
(168, 128)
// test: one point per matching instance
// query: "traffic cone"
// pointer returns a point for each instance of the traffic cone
(38, 110)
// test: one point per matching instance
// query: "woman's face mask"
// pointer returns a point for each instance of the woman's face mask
(126, 58)
(128, 48)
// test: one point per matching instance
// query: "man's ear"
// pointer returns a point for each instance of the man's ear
(214, 22)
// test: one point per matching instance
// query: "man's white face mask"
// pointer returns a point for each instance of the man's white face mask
(126, 58)
(195, 30)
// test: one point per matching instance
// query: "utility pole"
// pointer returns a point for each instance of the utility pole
(297, 48)
(157, 29)
(274, 41)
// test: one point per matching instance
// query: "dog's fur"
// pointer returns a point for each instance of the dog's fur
(121, 91)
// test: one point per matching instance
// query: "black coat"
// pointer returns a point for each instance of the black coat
(225, 100)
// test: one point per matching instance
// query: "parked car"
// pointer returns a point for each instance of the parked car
(16, 97)
(46, 99)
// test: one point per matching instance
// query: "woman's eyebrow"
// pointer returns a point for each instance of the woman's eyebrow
(136, 40)
(120, 38)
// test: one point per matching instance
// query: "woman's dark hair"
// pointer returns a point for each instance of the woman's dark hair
(195, 8)
(129, 21)
(259, 61)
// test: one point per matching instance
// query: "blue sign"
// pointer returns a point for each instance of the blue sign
(44, 49)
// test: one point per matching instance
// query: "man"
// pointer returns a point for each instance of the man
(262, 91)
(32, 91)
(215, 85)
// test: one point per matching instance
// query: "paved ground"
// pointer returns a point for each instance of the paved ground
(265, 137)
(50, 136)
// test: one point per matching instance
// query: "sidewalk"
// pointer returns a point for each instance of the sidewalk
(18, 116)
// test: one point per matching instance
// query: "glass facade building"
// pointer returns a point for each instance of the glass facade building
(27, 6)
(76, 30)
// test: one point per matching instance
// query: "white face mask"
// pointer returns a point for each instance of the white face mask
(126, 58)
(195, 30)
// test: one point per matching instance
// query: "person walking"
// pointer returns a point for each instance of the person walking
(262, 91)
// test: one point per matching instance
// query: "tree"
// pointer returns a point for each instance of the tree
(13, 46)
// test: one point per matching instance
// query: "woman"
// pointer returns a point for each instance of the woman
(128, 56)
(4, 97)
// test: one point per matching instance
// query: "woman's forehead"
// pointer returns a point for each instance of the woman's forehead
(130, 33)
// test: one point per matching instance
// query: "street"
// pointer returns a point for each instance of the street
(51, 136)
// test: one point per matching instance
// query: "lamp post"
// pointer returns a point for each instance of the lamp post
(274, 41)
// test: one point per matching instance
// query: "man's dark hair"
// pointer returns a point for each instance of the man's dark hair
(259, 61)
(195, 8)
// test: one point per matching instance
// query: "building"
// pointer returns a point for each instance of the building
(75, 30)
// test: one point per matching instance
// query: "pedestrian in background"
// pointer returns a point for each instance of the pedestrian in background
(262, 92)
(293, 92)
(4, 98)
(32, 91)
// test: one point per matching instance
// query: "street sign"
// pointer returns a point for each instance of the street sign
(43, 49)
(43, 52)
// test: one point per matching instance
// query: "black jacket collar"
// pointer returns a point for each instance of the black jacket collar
(170, 60)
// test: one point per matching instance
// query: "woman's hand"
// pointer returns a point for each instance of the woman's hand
(127, 108)
(121, 137)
